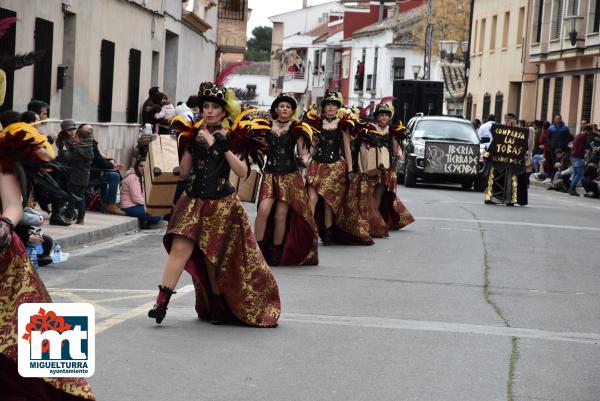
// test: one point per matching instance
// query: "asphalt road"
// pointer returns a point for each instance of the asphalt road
(471, 302)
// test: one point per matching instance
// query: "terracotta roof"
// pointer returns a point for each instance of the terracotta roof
(256, 68)
(454, 80)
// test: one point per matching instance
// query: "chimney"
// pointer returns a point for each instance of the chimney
(381, 7)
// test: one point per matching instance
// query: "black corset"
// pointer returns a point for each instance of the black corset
(211, 172)
(328, 146)
(280, 154)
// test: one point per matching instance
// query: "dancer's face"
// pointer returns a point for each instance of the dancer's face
(212, 113)
(383, 119)
(284, 111)
(330, 110)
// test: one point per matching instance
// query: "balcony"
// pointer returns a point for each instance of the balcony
(295, 82)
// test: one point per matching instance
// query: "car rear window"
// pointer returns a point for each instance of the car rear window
(445, 130)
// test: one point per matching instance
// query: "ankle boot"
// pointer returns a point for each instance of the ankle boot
(276, 255)
(159, 311)
(327, 237)
(264, 249)
(218, 310)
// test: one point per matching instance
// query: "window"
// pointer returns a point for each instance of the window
(469, 107)
(545, 97)
(232, 9)
(375, 59)
(107, 68)
(505, 30)
(556, 104)
(251, 89)
(595, 15)
(520, 26)
(345, 66)
(369, 82)
(133, 89)
(398, 68)
(537, 21)
(42, 69)
(7, 48)
(482, 35)
(588, 92)
(499, 102)
(474, 49)
(486, 106)
(493, 33)
(558, 9)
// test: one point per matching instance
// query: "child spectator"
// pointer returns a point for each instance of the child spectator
(562, 177)
(80, 162)
(30, 234)
(166, 112)
(132, 196)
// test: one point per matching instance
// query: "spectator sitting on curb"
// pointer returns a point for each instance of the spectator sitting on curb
(132, 196)
(591, 176)
(39, 107)
(563, 173)
(105, 172)
(29, 233)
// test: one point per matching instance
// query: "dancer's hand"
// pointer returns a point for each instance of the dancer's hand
(205, 137)
(349, 177)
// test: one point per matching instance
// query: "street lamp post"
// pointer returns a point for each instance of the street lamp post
(571, 22)
(416, 69)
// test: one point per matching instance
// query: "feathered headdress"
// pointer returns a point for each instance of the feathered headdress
(386, 105)
(332, 97)
(25, 140)
(248, 137)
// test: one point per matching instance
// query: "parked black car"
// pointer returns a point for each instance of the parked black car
(454, 152)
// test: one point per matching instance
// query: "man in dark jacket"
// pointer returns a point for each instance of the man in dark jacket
(104, 173)
(80, 160)
(559, 136)
(149, 108)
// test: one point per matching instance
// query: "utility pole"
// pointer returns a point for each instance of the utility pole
(428, 44)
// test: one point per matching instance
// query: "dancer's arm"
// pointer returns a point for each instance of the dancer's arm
(10, 193)
(364, 160)
(185, 165)
(239, 167)
(347, 151)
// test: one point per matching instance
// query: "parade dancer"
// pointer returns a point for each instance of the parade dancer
(386, 212)
(209, 233)
(328, 173)
(285, 227)
(25, 159)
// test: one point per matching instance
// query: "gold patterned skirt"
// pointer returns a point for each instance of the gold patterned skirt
(329, 180)
(351, 224)
(20, 283)
(391, 214)
(300, 244)
(227, 249)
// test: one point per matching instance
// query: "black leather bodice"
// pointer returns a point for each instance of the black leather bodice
(328, 146)
(211, 172)
(280, 154)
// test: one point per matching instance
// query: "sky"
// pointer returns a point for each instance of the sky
(263, 9)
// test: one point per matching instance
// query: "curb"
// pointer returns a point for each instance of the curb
(78, 240)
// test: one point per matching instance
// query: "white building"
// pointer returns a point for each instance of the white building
(254, 80)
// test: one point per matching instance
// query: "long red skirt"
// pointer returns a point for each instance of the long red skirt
(351, 224)
(329, 180)
(300, 244)
(19, 284)
(226, 246)
(391, 214)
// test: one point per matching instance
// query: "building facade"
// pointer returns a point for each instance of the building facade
(101, 57)
(253, 81)
(233, 16)
(564, 47)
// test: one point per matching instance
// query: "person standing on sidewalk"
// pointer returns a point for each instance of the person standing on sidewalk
(80, 160)
(559, 136)
(578, 157)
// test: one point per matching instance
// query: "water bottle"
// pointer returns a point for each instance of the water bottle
(56, 253)
(147, 130)
(33, 257)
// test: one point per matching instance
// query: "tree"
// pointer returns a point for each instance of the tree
(258, 47)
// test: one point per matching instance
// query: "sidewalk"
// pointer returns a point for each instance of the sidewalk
(98, 227)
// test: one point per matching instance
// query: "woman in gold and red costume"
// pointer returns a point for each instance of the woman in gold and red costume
(386, 211)
(284, 226)
(329, 173)
(25, 158)
(209, 234)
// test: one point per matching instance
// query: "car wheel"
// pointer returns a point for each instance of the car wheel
(480, 184)
(466, 185)
(410, 179)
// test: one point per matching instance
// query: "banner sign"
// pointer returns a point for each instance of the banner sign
(509, 147)
(451, 158)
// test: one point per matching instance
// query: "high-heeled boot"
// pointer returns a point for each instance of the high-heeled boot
(276, 255)
(218, 311)
(264, 249)
(159, 311)
(327, 236)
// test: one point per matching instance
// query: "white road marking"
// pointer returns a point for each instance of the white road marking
(509, 223)
(444, 327)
